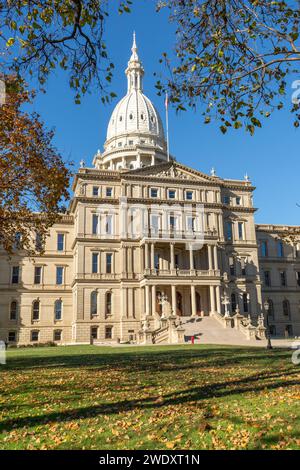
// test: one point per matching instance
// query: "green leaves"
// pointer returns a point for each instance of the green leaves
(236, 53)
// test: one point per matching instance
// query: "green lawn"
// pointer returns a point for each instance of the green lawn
(171, 397)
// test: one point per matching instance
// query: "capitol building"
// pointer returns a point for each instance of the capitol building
(149, 244)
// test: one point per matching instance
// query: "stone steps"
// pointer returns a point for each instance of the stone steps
(207, 330)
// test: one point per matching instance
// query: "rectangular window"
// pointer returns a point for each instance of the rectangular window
(154, 223)
(154, 192)
(95, 263)
(226, 200)
(267, 278)
(190, 222)
(282, 278)
(130, 142)
(57, 335)
(231, 267)
(189, 195)
(172, 193)
(60, 242)
(176, 261)
(18, 241)
(15, 275)
(298, 278)
(36, 310)
(94, 332)
(156, 261)
(37, 274)
(108, 332)
(173, 222)
(34, 335)
(109, 192)
(229, 230)
(59, 275)
(108, 224)
(241, 230)
(95, 224)
(95, 191)
(108, 263)
(264, 248)
(13, 310)
(58, 309)
(38, 242)
(238, 201)
(12, 337)
(280, 251)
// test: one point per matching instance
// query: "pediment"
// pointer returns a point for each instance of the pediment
(172, 170)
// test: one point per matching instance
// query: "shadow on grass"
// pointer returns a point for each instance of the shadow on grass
(254, 383)
(151, 359)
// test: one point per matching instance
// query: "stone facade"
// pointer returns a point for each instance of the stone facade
(279, 261)
(146, 240)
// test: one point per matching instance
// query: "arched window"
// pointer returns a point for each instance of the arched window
(108, 301)
(58, 309)
(120, 118)
(233, 302)
(36, 310)
(286, 308)
(13, 310)
(131, 116)
(142, 116)
(94, 303)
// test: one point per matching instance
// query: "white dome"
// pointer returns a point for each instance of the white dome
(135, 134)
(135, 114)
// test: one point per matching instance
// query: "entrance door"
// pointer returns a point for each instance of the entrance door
(198, 303)
(178, 304)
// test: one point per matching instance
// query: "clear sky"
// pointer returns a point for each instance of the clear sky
(271, 157)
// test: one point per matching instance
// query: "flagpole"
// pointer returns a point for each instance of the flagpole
(167, 125)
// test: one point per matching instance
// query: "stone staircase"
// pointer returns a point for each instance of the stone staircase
(212, 330)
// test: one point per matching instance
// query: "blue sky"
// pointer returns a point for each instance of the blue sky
(271, 157)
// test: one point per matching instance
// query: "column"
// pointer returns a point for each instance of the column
(218, 295)
(124, 302)
(146, 255)
(152, 256)
(193, 301)
(141, 256)
(124, 260)
(191, 258)
(147, 299)
(210, 262)
(130, 259)
(172, 256)
(216, 262)
(212, 299)
(173, 294)
(153, 300)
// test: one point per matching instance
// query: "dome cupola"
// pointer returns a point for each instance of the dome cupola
(135, 135)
